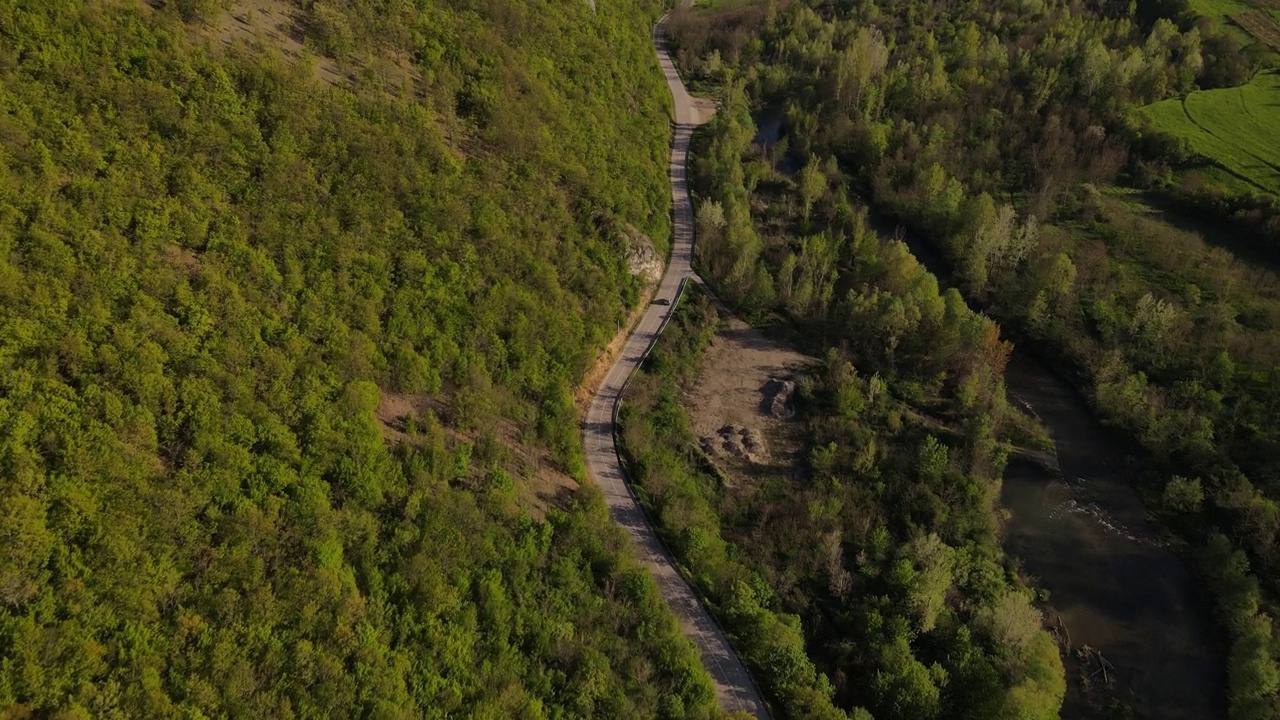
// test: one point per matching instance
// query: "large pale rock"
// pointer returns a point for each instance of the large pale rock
(642, 259)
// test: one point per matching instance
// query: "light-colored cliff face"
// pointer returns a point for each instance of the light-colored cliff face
(642, 260)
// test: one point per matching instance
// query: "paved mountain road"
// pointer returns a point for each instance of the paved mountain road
(734, 687)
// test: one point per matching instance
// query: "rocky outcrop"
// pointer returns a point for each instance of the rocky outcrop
(778, 395)
(738, 442)
(642, 260)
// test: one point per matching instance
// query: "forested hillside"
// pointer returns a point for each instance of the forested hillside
(1006, 136)
(221, 265)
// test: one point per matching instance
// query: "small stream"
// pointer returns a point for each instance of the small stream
(1082, 535)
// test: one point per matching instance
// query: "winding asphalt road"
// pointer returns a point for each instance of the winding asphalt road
(734, 687)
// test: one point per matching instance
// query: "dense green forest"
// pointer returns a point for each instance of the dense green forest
(1008, 136)
(217, 266)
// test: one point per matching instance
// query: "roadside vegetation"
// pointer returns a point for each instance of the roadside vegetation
(218, 271)
(998, 134)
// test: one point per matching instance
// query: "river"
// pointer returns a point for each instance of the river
(1083, 536)
(1114, 585)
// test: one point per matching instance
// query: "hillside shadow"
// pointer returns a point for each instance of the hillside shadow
(748, 337)
(1215, 234)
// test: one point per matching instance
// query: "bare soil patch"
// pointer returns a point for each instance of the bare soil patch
(395, 410)
(281, 25)
(540, 484)
(274, 23)
(706, 109)
(740, 404)
(182, 258)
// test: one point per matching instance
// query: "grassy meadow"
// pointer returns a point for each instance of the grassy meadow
(1236, 127)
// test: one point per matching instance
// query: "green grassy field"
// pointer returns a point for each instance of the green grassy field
(1238, 127)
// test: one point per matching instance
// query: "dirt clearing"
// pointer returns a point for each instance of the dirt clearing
(741, 403)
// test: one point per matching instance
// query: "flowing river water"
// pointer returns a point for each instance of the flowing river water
(1114, 585)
